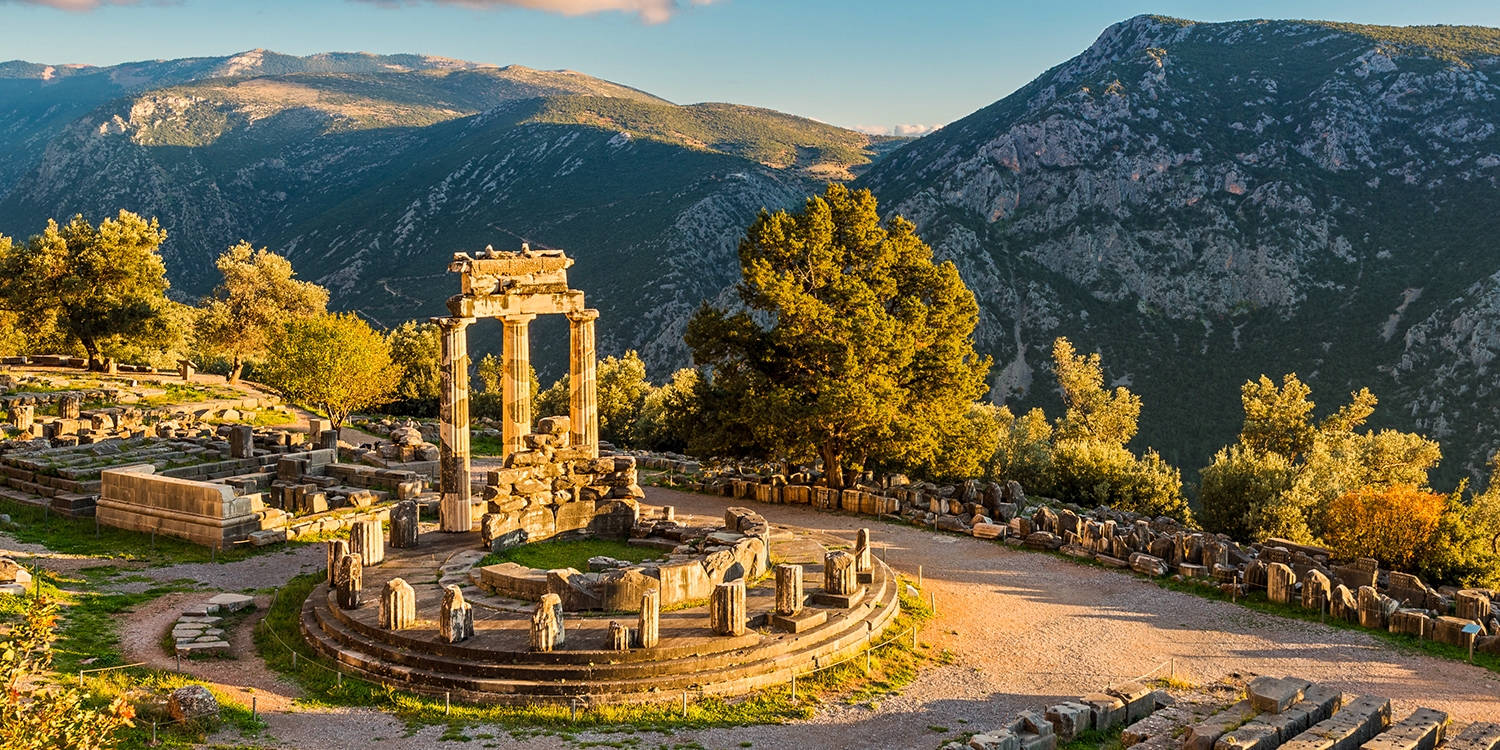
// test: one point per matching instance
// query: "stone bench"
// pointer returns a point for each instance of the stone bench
(1481, 735)
(1422, 730)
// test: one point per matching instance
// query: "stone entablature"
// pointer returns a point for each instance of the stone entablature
(514, 287)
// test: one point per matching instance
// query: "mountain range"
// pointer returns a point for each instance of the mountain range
(1201, 202)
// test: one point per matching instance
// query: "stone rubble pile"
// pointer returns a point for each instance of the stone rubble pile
(1116, 706)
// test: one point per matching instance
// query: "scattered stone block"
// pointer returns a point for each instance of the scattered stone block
(1204, 734)
(1422, 730)
(1108, 710)
(191, 702)
(1353, 725)
(1149, 565)
(1481, 735)
(1070, 720)
(1275, 694)
(1139, 700)
(1001, 739)
(456, 617)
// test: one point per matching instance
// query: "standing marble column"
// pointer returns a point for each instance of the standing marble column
(862, 551)
(788, 589)
(516, 357)
(336, 549)
(349, 581)
(726, 608)
(398, 605)
(453, 512)
(583, 396)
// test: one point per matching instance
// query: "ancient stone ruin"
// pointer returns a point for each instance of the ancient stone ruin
(514, 287)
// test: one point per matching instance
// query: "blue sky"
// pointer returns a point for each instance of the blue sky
(870, 63)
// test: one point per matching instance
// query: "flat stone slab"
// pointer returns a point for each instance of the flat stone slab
(1268, 731)
(12, 589)
(232, 602)
(807, 619)
(1204, 734)
(212, 647)
(840, 601)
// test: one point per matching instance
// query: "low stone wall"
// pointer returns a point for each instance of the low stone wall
(137, 499)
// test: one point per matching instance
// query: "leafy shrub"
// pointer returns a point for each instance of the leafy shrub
(1394, 525)
(1240, 493)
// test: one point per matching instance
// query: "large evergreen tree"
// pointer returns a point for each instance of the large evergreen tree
(855, 346)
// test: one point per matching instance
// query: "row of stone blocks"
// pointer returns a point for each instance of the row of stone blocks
(1293, 714)
(1099, 712)
(1371, 609)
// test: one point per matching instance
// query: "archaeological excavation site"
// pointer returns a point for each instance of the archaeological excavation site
(517, 572)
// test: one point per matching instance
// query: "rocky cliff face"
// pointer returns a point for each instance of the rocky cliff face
(1207, 202)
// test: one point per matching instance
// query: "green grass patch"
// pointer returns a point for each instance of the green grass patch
(484, 445)
(1094, 739)
(81, 536)
(892, 667)
(570, 553)
(89, 639)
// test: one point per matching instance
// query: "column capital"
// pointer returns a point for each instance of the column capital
(518, 318)
(453, 323)
(580, 316)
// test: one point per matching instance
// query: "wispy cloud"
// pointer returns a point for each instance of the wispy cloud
(909, 130)
(73, 5)
(649, 11)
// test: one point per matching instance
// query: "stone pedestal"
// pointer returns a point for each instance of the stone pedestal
(546, 624)
(453, 432)
(367, 540)
(649, 624)
(583, 399)
(516, 382)
(1279, 582)
(68, 406)
(349, 580)
(726, 608)
(336, 549)
(456, 617)
(404, 524)
(398, 605)
(241, 441)
(328, 440)
(619, 636)
(22, 416)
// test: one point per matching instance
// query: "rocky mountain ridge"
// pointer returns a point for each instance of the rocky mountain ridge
(1206, 202)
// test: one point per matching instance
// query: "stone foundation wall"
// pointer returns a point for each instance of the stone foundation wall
(210, 514)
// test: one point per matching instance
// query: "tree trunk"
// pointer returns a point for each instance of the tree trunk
(833, 466)
(235, 368)
(91, 348)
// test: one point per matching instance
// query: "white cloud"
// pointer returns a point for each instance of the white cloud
(73, 5)
(906, 130)
(649, 11)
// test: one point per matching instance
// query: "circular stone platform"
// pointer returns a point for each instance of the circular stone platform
(497, 666)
